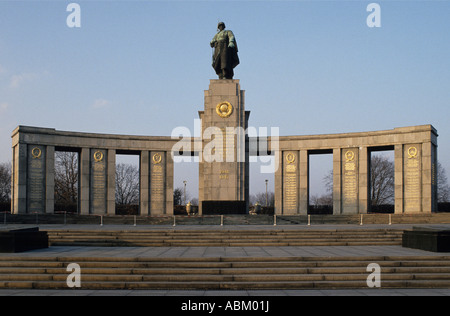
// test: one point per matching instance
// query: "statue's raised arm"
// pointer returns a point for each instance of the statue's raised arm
(225, 56)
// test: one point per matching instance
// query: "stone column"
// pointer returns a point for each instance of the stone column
(158, 192)
(224, 164)
(350, 183)
(290, 182)
(429, 183)
(412, 178)
(364, 195)
(279, 183)
(304, 182)
(144, 183)
(169, 183)
(36, 186)
(111, 183)
(337, 164)
(434, 178)
(98, 181)
(19, 179)
(84, 181)
(398, 178)
(50, 180)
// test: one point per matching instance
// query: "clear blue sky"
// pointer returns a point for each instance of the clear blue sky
(308, 67)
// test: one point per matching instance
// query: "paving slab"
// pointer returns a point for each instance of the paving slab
(231, 294)
(205, 252)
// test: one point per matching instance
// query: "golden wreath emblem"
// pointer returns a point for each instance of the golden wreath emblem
(349, 156)
(98, 156)
(224, 109)
(290, 158)
(157, 158)
(412, 152)
(36, 153)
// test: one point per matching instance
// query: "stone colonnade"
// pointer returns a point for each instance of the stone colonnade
(33, 178)
(415, 152)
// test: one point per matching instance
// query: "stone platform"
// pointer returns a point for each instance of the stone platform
(430, 238)
(204, 268)
(22, 239)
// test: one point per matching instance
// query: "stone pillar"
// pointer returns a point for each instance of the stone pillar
(337, 165)
(19, 179)
(225, 156)
(158, 161)
(364, 171)
(98, 181)
(398, 178)
(434, 178)
(111, 183)
(412, 178)
(84, 180)
(350, 183)
(144, 183)
(291, 179)
(50, 180)
(304, 182)
(279, 183)
(429, 177)
(169, 183)
(36, 186)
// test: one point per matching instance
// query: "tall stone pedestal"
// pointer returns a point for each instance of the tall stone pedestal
(224, 167)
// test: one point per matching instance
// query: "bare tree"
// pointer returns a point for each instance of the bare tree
(178, 196)
(381, 181)
(325, 199)
(127, 184)
(442, 183)
(66, 179)
(5, 182)
(261, 198)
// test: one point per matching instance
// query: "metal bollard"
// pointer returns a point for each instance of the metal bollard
(174, 222)
(101, 220)
(221, 220)
(361, 221)
(134, 221)
(309, 220)
(274, 220)
(390, 219)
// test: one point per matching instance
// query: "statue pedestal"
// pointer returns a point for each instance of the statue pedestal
(224, 167)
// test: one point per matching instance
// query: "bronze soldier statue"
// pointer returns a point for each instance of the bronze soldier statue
(225, 56)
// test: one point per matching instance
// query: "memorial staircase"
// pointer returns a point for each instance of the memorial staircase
(222, 237)
(225, 273)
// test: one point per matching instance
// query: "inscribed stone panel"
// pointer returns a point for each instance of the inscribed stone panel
(36, 179)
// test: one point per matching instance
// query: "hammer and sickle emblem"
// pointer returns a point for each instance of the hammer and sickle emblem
(350, 156)
(290, 158)
(36, 152)
(412, 152)
(157, 158)
(98, 156)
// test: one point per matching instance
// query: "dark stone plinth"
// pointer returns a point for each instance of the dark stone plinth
(19, 240)
(429, 239)
(224, 207)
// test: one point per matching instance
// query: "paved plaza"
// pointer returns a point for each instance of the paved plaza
(229, 252)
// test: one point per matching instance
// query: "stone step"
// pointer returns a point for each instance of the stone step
(216, 232)
(227, 238)
(225, 273)
(262, 244)
(275, 285)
